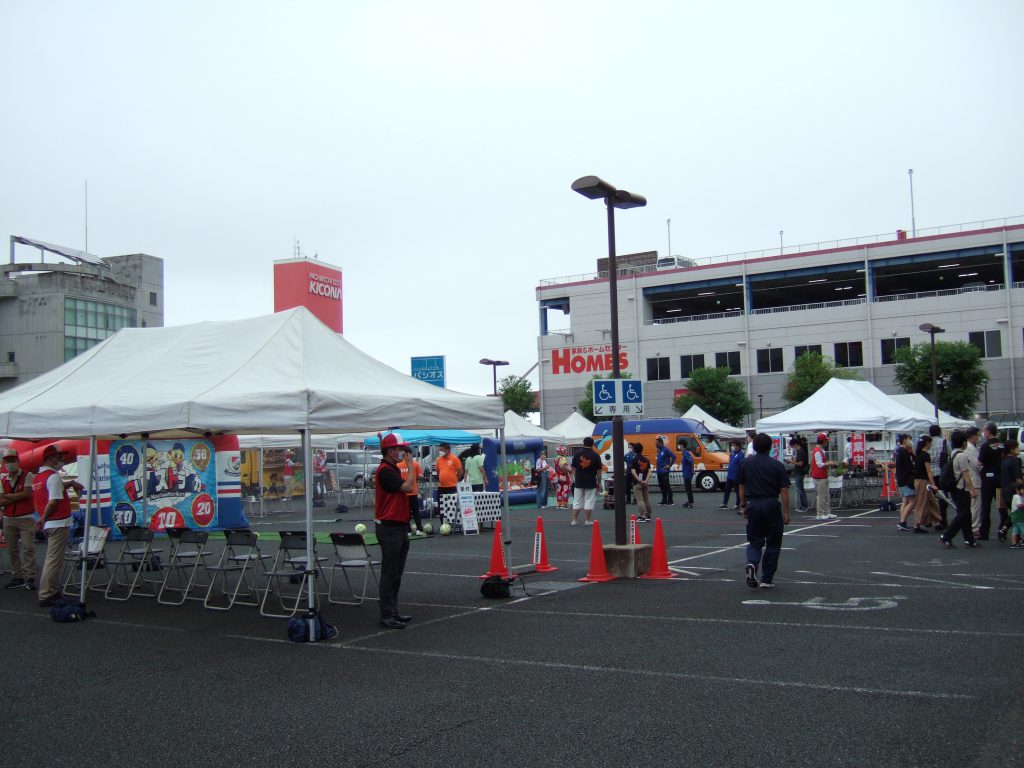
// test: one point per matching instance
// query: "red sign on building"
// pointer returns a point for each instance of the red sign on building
(596, 358)
(314, 285)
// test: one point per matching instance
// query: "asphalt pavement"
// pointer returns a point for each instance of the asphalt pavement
(876, 648)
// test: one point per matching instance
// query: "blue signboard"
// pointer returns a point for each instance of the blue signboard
(429, 369)
(618, 397)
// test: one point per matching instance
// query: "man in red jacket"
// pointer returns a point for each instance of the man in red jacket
(19, 523)
(54, 508)
(391, 515)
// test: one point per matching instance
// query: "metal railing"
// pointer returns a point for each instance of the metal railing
(933, 294)
(694, 318)
(795, 250)
(812, 305)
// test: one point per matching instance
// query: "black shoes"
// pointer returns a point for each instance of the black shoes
(751, 576)
(15, 584)
(389, 623)
(403, 618)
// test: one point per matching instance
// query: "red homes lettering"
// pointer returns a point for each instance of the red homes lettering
(596, 359)
(322, 285)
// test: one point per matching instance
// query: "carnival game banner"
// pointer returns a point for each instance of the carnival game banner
(178, 479)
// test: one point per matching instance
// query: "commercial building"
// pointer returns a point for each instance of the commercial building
(57, 302)
(856, 301)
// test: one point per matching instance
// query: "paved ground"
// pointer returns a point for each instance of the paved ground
(877, 648)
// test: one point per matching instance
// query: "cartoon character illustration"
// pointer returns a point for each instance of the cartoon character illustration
(156, 470)
(182, 475)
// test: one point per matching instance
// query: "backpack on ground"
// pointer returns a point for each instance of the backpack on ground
(66, 611)
(310, 628)
(947, 478)
(499, 587)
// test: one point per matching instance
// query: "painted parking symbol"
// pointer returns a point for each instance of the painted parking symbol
(850, 604)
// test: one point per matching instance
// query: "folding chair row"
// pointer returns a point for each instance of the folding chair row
(350, 553)
(238, 569)
(187, 557)
(136, 558)
(92, 556)
(290, 567)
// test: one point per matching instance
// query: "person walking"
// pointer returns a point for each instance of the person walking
(1010, 474)
(542, 468)
(991, 457)
(799, 462)
(586, 477)
(686, 464)
(640, 471)
(663, 461)
(53, 506)
(764, 500)
(736, 455)
(940, 455)
(19, 526)
(819, 473)
(963, 493)
(973, 434)
(926, 506)
(904, 461)
(391, 523)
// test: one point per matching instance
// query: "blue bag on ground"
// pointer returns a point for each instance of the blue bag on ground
(310, 629)
(66, 611)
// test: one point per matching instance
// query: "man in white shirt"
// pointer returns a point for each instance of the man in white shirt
(54, 508)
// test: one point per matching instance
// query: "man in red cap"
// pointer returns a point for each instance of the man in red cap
(54, 508)
(819, 473)
(391, 515)
(19, 524)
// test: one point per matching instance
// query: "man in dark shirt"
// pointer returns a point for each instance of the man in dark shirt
(586, 471)
(991, 457)
(763, 480)
(391, 516)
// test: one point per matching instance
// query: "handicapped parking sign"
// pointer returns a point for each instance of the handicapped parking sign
(618, 397)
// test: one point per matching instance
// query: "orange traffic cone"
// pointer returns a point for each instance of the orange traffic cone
(540, 549)
(659, 556)
(498, 565)
(598, 567)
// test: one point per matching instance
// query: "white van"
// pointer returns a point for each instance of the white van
(674, 262)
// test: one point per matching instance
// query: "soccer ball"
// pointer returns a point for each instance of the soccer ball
(446, 529)
(428, 528)
(360, 528)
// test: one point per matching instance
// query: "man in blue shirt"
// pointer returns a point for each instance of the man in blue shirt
(763, 481)
(663, 462)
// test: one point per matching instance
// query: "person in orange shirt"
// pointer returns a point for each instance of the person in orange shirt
(449, 470)
(414, 494)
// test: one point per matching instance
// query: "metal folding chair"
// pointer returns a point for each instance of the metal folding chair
(238, 569)
(289, 567)
(186, 559)
(94, 557)
(835, 492)
(350, 553)
(136, 557)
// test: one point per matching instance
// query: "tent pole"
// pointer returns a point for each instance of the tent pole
(91, 494)
(307, 483)
(506, 518)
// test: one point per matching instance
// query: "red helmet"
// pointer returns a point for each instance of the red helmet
(560, 450)
(392, 440)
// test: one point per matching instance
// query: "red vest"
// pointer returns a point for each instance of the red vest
(392, 506)
(818, 473)
(17, 508)
(42, 498)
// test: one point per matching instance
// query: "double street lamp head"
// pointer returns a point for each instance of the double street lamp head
(488, 361)
(929, 328)
(596, 188)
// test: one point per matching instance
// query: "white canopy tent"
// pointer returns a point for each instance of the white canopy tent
(517, 426)
(922, 404)
(843, 405)
(574, 428)
(716, 427)
(285, 373)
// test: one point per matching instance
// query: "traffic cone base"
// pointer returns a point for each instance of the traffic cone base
(543, 566)
(659, 556)
(598, 567)
(498, 565)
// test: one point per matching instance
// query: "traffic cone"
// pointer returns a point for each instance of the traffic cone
(542, 565)
(636, 532)
(598, 567)
(659, 556)
(498, 565)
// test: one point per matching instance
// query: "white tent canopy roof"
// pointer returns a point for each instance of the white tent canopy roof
(271, 374)
(922, 404)
(574, 428)
(716, 427)
(517, 426)
(853, 406)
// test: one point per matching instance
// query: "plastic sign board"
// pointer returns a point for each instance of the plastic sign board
(467, 511)
(429, 369)
(618, 397)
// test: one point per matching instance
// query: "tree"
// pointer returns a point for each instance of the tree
(810, 372)
(516, 394)
(959, 370)
(586, 405)
(712, 389)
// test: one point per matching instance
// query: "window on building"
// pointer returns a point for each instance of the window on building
(87, 323)
(799, 350)
(688, 364)
(849, 354)
(10, 357)
(769, 360)
(657, 368)
(152, 298)
(889, 347)
(730, 360)
(990, 343)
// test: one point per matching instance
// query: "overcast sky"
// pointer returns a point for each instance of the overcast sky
(427, 148)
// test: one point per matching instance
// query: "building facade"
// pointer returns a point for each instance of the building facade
(57, 302)
(853, 301)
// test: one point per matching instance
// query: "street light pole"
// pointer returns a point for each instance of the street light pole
(760, 405)
(913, 221)
(594, 188)
(931, 330)
(494, 367)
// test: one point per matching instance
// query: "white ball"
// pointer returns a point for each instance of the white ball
(360, 528)
(446, 529)
(428, 528)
